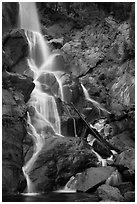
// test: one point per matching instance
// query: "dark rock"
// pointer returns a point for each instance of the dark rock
(13, 132)
(15, 53)
(129, 196)
(106, 192)
(59, 159)
(68, 126)
(122, 141)
(10, 12)
(16, 82)
(125, 187)
(92, 177)
(101, 149)
(127, 160)
(13, 128)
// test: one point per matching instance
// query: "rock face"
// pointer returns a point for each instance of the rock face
(14, 95)
(92, 177)
(13, 130)
(59, 159)
(16, 92)
(10, 13)
(127, 160)
(15, 51)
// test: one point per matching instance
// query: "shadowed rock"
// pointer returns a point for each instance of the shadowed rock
(59, 159)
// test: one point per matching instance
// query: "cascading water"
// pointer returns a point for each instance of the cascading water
(95, 103)
(43, 117)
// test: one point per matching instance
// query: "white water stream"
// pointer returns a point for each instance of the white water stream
(95, 103)
(43, 117)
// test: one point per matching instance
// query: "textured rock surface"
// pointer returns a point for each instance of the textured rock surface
(92, 177)
(15, 49)
(106, 192)
(13, 130)
(59, 159)
(127, 160)
(9, 16)
(16, 91)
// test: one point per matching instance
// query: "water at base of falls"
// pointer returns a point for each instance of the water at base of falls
(51, 197)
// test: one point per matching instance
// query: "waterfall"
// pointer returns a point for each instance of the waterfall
(95, 103)
(43, 118)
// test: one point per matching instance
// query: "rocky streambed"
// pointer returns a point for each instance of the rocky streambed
(93, 56)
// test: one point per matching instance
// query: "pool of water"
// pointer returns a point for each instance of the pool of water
(51, 197)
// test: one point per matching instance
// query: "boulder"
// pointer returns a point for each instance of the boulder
(126, 159)
(59, 159)
(92, 177)
(106, 192)
(49, 84)
(123, 141)
(15, 53)
(16, 82)
(123, 92)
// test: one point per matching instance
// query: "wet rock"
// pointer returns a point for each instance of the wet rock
(59, 159)
(115, 179)
(129, 196)
(68, 126)
(49, 84)
(92, 177)
(106, 192)
(101, 149)
(15, 53)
